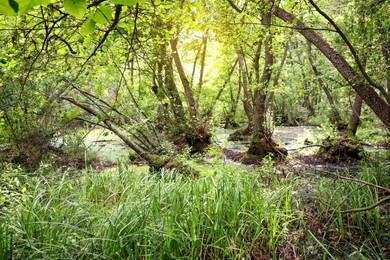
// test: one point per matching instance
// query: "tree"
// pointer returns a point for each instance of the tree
(359, 83)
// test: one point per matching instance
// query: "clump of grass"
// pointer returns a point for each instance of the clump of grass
(123, 214)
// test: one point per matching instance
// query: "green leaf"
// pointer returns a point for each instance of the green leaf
(76, 8)
(14, 5)
(24, 6)
(102, 15)
(6, 8)
(40, 2)
(88, 27)
(126, 2)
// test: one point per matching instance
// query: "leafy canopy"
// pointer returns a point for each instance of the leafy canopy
(77, 8)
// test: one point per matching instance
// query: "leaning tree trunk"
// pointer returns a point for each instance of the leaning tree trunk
(193, 107)
(155, 161)
(378, 105)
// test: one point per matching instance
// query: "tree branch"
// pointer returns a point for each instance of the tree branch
(353, 51)
(61, 39)
(354, 180)
(118, 11)
(234, 6)
(385, 199)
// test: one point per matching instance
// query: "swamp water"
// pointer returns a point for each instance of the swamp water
(106, 146)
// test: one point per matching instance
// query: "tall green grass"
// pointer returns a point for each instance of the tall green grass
(122, 214)
(363, 232)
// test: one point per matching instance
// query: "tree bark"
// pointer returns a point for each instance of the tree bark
(357, 82)
(110, 125)
(270, 95)
(155, 161)
(175, 100)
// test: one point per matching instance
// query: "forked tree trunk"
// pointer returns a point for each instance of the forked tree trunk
(198, 136)
(193, 108)
(378, 105)
(170, 85)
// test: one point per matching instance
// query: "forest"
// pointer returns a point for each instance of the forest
(194, 129)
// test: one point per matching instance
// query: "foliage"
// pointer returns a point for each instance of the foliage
(124, 214)
(336, 196)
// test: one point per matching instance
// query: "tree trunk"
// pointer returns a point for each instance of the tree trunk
(379, 106)
(198, 136)
(355, 117)
(210, 109)
(260, 95)
(270, 96)
(193, 108)
(261, 144)
(245, 86)
(386, 54)
(202, 65)
(306, 99)
(176, 103)
(336, 118)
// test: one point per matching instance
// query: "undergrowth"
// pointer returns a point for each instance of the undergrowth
(363, 234)
(122, 214)
(232, 212)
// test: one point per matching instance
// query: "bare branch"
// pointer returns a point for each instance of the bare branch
(61, 39)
